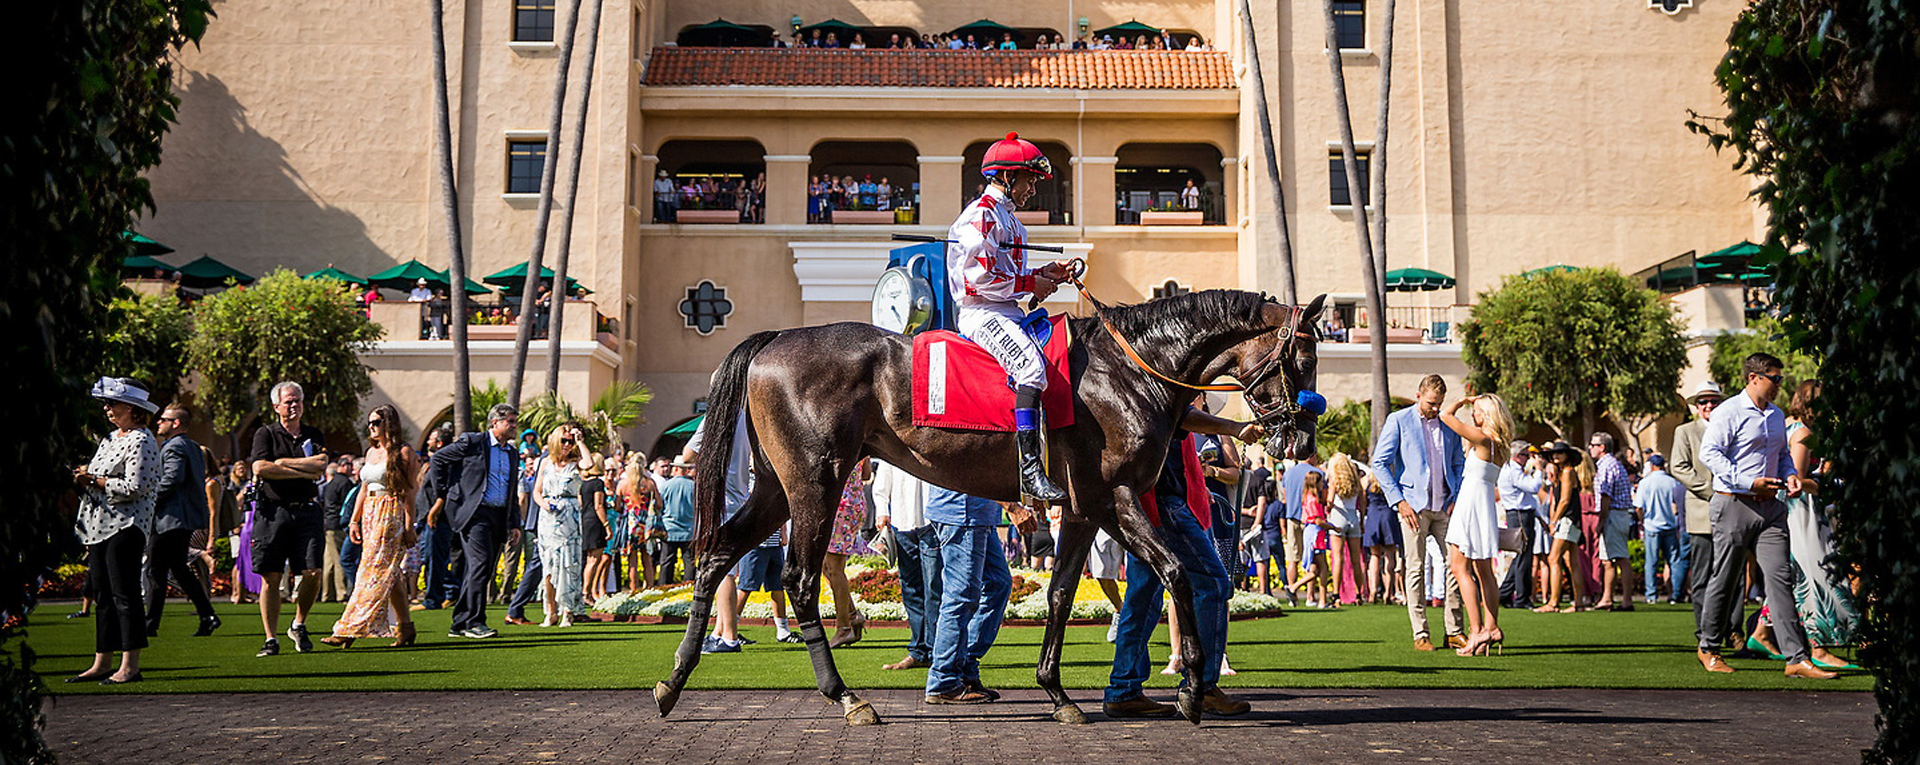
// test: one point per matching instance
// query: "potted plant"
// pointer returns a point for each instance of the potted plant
(1170, 214)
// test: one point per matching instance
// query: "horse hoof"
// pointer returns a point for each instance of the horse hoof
(1189, 705)
(666, 696)
(1070, 714)
(862, 714)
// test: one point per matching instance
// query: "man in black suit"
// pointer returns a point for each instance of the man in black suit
(477, 475)
(180, 510)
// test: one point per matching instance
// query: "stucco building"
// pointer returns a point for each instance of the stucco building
(1521, 135)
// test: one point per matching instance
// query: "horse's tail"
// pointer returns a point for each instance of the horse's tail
(725, 403)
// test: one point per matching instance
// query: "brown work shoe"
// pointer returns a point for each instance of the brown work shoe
(1714, 663)
(1422, 644)
(907, 663)
(1804, 668)
(1217, 702)
(1138, 706)
(1456, 641)
(958, 696)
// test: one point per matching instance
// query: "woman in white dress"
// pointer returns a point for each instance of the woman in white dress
(556, 491)
(1473, 535)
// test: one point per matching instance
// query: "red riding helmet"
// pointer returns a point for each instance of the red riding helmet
(1015, 153)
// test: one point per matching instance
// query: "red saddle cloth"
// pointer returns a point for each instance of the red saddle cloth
(957, 384)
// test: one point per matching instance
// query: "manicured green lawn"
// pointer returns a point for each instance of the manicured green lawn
(1349, 648)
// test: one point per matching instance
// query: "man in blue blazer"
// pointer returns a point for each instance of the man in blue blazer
(478, 476)
(1419, 462)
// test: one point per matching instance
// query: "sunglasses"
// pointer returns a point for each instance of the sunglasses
(1775, 378)
(376, 424)
(1707, 402)
(567, 441)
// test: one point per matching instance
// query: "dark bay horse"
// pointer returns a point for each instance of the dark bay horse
(819, 399)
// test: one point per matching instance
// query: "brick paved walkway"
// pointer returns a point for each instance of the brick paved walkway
(764, 728)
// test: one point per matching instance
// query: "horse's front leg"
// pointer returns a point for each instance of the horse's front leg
(1076, 538)
(806, 553)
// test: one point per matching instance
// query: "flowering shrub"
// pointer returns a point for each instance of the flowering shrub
(1023, 587)
(1244, 602)
(876, 585)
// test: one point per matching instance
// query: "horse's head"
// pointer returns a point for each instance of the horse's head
(1278, 370)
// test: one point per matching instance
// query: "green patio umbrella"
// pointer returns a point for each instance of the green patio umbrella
(1130, 30)
(1727, 263)
(838, 28)
(1739, 253)
(686, 428)
(1557, 268)
(143, 264)
(207, 272)
(512, 280)
(1417, 280)
(337, 275)
(403, 276)
(989, 31)
(721, 33)
(145, 246)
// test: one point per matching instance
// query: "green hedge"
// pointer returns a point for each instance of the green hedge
(1822, 100)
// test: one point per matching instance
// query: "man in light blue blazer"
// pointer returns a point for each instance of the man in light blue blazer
(1419, 462)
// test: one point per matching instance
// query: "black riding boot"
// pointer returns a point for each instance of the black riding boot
(1030, 435)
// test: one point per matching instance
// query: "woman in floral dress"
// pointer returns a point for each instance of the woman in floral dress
(852, 624)
(383, 525)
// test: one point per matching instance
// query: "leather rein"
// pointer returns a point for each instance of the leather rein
(1267, 367)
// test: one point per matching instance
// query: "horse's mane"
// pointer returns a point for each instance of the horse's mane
(1181, 317)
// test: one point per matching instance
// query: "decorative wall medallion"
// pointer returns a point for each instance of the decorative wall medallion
(1169, 289)
(706, 307)
(1670, 7)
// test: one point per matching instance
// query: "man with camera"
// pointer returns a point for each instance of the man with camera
(288, 458)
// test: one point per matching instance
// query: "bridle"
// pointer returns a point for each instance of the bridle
(1264, 413)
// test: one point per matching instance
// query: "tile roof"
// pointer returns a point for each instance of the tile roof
(1091, 70)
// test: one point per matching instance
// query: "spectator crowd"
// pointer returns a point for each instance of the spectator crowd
(1450, 511)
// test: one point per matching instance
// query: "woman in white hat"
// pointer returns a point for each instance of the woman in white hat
(117, 491)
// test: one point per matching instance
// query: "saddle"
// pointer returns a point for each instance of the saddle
(957, 384)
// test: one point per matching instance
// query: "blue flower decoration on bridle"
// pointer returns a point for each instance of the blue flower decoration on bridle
(1311, 402)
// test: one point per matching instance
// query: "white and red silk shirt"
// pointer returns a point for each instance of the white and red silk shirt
(986, 264)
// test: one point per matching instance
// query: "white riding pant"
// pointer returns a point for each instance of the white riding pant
(996, 327)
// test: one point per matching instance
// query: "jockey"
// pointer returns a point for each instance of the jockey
(987, 271)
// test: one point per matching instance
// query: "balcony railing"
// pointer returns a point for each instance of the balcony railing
(728, 206)
(1170, 207)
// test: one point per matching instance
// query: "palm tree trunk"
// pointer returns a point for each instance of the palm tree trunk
(1288, 292)
(450, 206)
(1377, 167)
(1376, 301)
(544, 213)
(559, 303)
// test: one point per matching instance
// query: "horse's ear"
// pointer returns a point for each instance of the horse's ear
(1311, 313)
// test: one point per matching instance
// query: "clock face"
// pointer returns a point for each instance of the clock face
(893, 300)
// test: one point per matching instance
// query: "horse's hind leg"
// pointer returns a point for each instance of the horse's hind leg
(1075, 540)
(753, 523)
(806, 549)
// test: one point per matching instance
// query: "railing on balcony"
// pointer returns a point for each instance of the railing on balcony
(1170, 207)
(900, 206)
(710, 206)
(1407, 324)
(493, 318)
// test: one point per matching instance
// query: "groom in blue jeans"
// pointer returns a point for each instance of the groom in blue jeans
(1193, 547)
(960, 540)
